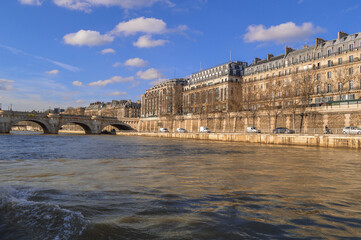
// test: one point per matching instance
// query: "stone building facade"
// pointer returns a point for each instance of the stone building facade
(163, 99)
(297, 89)
(213, 90)
(119, 109)
(333, 68)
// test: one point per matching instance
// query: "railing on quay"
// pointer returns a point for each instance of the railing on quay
(308, 131)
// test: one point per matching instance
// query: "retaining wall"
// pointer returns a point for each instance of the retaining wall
(321, 140)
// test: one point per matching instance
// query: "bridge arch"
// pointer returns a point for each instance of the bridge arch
(46, 128)
(87, 129)
(119, 126)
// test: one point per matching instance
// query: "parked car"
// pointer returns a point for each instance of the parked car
(351, 130)
(181, 130)
(283, 130)
(204, 130)
(163, 130)
(253, 130)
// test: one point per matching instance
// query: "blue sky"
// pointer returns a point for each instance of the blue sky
(60, 53)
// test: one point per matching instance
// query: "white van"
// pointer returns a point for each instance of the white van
(252, 130)
(204, 130)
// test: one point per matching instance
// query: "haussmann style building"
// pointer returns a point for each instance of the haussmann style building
(300, 87)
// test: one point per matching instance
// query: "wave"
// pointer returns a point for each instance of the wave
(23, 218)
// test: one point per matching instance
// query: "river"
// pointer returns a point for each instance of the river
(117, 187)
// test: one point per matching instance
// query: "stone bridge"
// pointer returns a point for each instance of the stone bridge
(52, 123)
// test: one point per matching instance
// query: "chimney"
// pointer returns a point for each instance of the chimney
(305, 46)
(319, 41)
(342, 34)
(129, 101)
(256, 60)
(269, 56)
(288, 50)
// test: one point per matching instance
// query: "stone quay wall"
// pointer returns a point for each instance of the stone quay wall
(318, 140)
(314, 122)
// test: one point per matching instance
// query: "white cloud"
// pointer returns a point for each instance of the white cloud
(141, 25)
(87, 5)
(157, 81)
(31, 2)
(136, 62)
(285, 32)
(87, 38)
(60, 64)
(117, 93)
(117, 64)
(6, 85)
(115, 79)
(80, 101)
(53, 72)
(108, 50)
(147, 42)
(149, 74)
(77, 83)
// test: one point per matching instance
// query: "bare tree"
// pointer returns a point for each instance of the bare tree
(235, 104)
(305, 83)
(343, 78)
(250, 102)
(273, 103)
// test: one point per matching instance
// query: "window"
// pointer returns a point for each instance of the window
(329, 88)
(329, 63)
(351, 58)
(279, 74)
(318, 65)
(350, 85)
(329, 52)
(297, 70)
(329, 75)
(340, 61)
(290, 71)
(318, 76)
(318, 89)
(339, 87)
(350, 71)
(216, 92)
(255, 87)
(318, 55)
(350, 47)
(339, 50)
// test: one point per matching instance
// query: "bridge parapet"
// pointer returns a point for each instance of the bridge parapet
(52, 123)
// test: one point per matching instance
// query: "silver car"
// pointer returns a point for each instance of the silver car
(164, 130)
(351, 130)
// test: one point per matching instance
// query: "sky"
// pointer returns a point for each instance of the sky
(62, 53)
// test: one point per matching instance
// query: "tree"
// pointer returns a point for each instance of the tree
(273, 103)
(249, 104)
(343, 79)
(305, 83)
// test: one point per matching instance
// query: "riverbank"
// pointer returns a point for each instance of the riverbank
(317, 140)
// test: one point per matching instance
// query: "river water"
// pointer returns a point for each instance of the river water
(115, 187)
